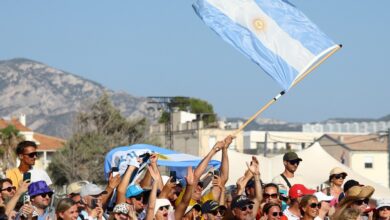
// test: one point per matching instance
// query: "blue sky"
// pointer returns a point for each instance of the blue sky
(161, 48)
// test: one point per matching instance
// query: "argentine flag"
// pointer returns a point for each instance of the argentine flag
(272, 33)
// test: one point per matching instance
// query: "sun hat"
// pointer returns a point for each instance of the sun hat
(37, 188)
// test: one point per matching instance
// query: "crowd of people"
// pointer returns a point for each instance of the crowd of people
(26, 193)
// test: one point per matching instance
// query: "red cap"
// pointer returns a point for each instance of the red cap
(299, 190)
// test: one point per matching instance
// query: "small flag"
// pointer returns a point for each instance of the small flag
(272, 33)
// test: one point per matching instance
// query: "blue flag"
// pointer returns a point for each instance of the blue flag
(272, 33)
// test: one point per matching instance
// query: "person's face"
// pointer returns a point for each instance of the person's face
(244, 212)
(28, 156)
(338, 179)
(274, 213)
(137, 201)
(312, 208)
(162, 213)
(360, 205)
(197, 193)
(384, 212)
(271, 195)
(77, 199)
(7, 191)
(42, 201)
(250, 191)
(121, 216)
(291, 165)
(70, 214)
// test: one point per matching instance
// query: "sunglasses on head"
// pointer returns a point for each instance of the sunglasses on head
(215, 212)
(360, 202)
(294, 162)
(274, 195)
(387, 208)
(277, 214)
(315, 205)
(44, 195)
(32, 154)
(250, 207)
(9, 189)
(164, 207)
(339, 176)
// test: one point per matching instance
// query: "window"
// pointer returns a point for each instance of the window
(368, 162)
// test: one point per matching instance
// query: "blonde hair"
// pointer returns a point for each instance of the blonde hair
(347, 214)
(63, 205)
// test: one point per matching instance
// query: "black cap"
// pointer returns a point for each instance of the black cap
(209, 206)
(349, 184)
(291, 156)
(241, 201)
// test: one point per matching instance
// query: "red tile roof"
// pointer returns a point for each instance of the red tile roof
(15, 122)
(48, 142)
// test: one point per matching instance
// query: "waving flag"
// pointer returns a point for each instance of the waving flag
(272, 33)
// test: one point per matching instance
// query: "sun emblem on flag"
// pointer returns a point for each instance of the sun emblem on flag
(259, 24)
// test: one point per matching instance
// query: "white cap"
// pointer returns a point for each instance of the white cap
(322, 197)
(161, 202)
(91, 190)
(382, 203)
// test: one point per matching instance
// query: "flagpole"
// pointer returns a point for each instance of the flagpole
(300, 78)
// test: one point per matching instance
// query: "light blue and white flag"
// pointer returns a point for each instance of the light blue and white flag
(179, 162)
(272, 33)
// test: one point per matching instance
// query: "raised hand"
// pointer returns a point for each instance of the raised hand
(190, 179)
(114, 181)
(153, 159)
(227, 141)
(153, 173)
(217, 182)
(254, 166)
(218, 146)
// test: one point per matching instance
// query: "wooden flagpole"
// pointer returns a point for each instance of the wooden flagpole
(300, 78)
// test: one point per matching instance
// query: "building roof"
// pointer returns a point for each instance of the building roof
(15, 122)
(48, 142)
(358, 142)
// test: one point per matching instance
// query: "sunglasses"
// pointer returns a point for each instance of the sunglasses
(294, 162)
(250, 207)
(9, 189)
(138, 198)
(360, 202)
(315, 205)
(339, 176)
(277, 214)
(387, 208)
(44, 195)
(215, 212)
(274, 195)
(164, 207)
(32, 154)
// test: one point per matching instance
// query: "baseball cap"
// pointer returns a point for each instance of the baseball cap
(322, 197)
(75, 187)
(134, 190)
(337, 170)
(241, 201)
(209, 206)
(349, 184)
(382, 203)
(162, 202)
(291, 156)
(299, 190)
(91, 189)
(190, 207)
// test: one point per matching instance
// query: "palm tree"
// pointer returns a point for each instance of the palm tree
(9, 138)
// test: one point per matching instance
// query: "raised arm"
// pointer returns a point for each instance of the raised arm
(225, 159)
(181, 208)
(241, 182)
(254, 168)
(113, 183)
(153, 193)
(205, 161)
(122, 187)
(23, 187)
(146, 181)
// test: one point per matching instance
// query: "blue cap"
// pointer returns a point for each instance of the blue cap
(134, 190)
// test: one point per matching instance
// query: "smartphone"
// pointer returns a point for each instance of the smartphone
(27, 176)
(94, 203)
(114, 171)
(26, 198)
(173, 175)
(216, 173)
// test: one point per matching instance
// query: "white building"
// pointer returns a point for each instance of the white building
(348, 127)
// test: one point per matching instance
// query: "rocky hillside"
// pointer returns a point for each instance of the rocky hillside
(50, 98)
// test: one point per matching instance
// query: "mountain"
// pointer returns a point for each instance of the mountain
(51, 98)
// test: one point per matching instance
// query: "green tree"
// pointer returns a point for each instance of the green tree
(194, 105)
(97, 131)
(9, 138)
